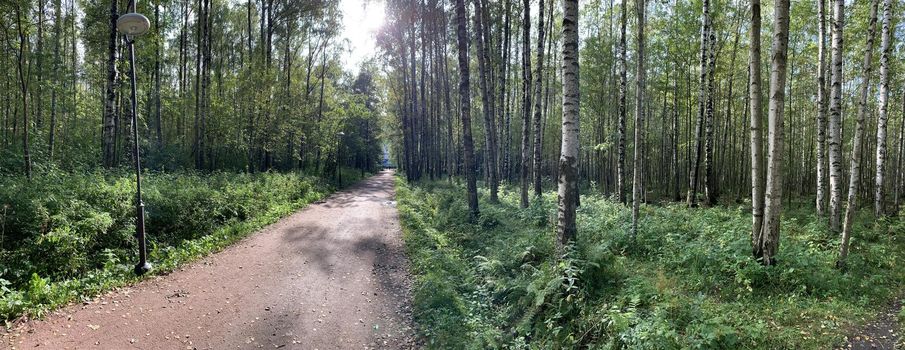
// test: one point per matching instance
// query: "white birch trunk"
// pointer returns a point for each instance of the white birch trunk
(855, 167)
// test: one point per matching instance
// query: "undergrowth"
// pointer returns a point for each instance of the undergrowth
(68, 236)
(687, 282)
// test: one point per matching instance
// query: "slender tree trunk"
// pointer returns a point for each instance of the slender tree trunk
(835, 123)
(757, 147)
(538, 87)
(620, 129)
(464, 113)
(855, 167)
(526, 101)
(568, 161)
(883, 113)
(55, 85)
(821, 108)
(768, 242)
(637, 162)
(24, 77)
(900, 170)
(702, 106)
(486, 100)
(158, 127)
(710, 185)
(109, 134)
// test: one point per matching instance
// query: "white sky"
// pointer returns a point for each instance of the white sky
(361, 19)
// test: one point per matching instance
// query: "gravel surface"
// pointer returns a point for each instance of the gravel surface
(331, 276)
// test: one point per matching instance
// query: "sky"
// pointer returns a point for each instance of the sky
(361, 19)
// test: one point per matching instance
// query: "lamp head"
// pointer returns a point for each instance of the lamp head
(133, 24)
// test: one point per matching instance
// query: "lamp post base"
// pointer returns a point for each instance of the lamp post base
(141, 269)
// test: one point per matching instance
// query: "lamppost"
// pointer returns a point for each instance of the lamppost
(131, 25)
(339, 170)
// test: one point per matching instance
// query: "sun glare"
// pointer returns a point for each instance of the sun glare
(361, 20)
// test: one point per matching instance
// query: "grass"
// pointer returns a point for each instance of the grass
(69, 237)
(687, 282)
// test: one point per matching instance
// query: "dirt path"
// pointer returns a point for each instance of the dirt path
(881, 333)
(332, 276)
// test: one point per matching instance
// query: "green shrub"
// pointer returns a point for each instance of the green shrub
(63, 235)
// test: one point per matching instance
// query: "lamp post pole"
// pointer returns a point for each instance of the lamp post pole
(131, 25)
(339, 170)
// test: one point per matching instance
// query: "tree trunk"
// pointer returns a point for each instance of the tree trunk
(23, 85)
(835, 123)
(757, 146)
(538, 87)
(710, 189)
(702, 106)
(883, 113)
(855, 167)
(768, 242)
(526, 101)
(109, 134)
(637, 161)
(620, 129)
(568, 161)
(55, 85)
(821, 108)
(486, 101)
(158, 127)
(465, 112)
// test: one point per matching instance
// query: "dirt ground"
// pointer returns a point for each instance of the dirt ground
(331, 276)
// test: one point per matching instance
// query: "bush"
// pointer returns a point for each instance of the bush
(63, 235)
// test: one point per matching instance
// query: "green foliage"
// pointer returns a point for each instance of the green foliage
(71, 235)
(686, 282)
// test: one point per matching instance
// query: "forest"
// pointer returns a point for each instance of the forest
(542, 174)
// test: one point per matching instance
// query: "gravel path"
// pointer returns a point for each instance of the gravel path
(332, 276)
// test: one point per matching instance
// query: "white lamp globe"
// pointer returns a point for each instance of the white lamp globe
(133, 24)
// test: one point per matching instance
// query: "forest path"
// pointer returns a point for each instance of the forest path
(331, 276)
(881, 333)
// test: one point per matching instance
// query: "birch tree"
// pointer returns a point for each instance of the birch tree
(883, 115)
(835, 124)
(637, 196)
(768, 241)
(757, 146)
(526, 102)
(702, 106)
(620, 129)
(538, 85)
(489, 121)
(568, 161)
(821, 107)
(855, 167)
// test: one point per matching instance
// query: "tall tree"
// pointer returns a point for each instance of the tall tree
(710, 189)
(637, 196)
(821, 107)
(757, 146)
(855, 167)
(768, 241)
(620, 129)
(526, 102)
(486, 100)
(702, 106)
(465, 107)
(538, 84)
(109, 140)
(883, 115)
(24, 77)
(568, 161)
(834, 141)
